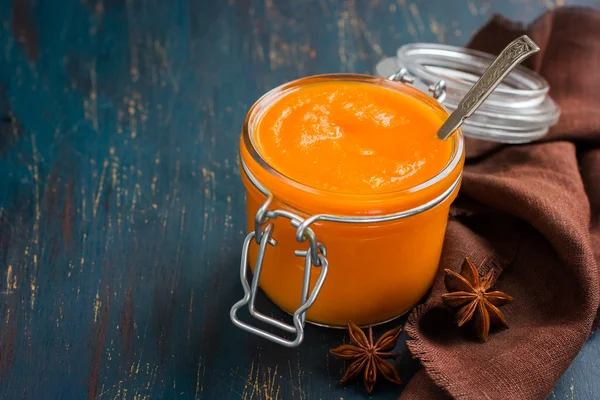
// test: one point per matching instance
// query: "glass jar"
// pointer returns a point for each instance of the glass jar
(328, 257)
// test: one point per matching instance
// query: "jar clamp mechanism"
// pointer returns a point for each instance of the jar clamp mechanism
(315, 255)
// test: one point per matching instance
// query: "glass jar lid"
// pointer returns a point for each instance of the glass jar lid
(518, 111)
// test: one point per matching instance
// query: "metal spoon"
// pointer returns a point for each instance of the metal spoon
(510, 57)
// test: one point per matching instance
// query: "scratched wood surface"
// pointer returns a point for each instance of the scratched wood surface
(121, 208)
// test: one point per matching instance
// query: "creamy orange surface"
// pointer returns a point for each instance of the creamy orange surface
(352, 137)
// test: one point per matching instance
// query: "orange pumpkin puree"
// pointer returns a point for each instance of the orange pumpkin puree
(352, 137)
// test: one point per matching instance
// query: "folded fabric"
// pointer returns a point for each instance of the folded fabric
(532, 213)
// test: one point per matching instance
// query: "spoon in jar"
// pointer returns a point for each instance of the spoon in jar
(511, 56)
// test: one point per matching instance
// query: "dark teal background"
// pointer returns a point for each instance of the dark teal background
(121, 209)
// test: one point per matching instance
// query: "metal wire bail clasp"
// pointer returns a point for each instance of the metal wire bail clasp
(315, 255)
(438, 91)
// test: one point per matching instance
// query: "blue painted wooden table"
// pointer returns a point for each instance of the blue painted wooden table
(121, 208)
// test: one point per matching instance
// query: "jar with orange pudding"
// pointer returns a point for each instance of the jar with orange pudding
(348, 192)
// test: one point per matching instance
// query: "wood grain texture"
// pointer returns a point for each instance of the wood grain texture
(121, 209)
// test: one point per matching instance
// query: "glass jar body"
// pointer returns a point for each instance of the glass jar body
(378, 271)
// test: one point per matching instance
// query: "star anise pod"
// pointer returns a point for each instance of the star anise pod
(469, 293)
(369, 358)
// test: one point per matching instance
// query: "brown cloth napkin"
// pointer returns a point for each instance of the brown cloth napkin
(532, 213)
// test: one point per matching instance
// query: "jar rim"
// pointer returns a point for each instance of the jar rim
(261, 105)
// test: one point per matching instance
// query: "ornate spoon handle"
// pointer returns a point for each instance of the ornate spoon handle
(511, 56)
